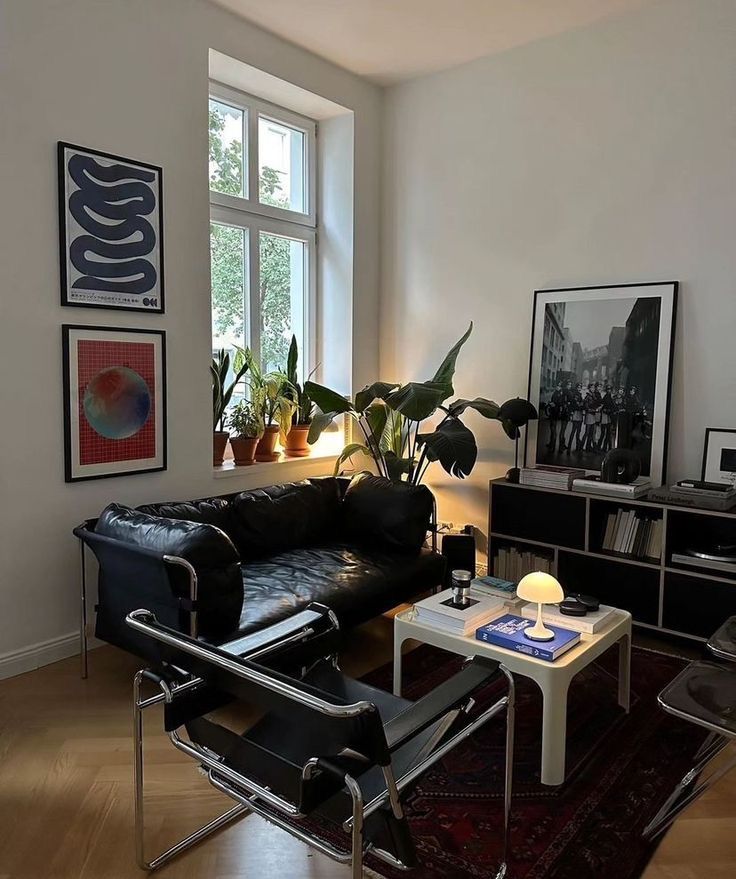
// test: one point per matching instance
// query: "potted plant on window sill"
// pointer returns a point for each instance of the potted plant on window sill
(273, 401)
(222, 392)
(296, 445)
(247, 426)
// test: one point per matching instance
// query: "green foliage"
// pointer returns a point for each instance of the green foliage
(222, 391)
(390, 417)
(272, 396)
(228, 254)
(302, 401)
(245, 421)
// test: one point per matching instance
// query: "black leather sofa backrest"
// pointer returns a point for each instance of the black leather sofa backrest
(386, 515)
(207, 548)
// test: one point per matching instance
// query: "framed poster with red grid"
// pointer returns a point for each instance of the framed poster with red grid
(114, 401)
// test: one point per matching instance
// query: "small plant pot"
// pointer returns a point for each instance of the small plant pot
(219, 444)
(266, 448)
(244, 449)
(296, 441)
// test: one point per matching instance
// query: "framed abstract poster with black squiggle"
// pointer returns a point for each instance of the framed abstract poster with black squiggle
(110, 231)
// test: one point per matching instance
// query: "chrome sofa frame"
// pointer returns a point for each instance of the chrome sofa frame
(252, 797)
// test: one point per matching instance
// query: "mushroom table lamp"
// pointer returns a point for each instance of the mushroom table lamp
(541, 589)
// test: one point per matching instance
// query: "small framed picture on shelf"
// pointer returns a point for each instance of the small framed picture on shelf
(719, 456)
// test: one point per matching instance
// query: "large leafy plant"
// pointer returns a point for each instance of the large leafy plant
(222, 390)
(391, 418)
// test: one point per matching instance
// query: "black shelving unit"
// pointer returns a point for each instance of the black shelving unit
(673, 598)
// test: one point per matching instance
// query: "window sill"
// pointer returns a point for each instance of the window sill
(322, 459)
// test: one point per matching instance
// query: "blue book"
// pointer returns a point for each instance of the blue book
(508, 631)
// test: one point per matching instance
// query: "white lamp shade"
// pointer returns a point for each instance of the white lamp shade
(540, 587)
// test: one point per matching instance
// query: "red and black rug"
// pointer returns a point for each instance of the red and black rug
(620, 769)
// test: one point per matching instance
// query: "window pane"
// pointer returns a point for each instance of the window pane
(229, 267)
(281, 170)
(226, 149)
(283, 283)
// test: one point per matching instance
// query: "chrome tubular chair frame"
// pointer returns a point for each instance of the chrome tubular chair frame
(250, 796)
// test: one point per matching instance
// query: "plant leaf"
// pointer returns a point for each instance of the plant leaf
(396, 466)
(487, 408)
(326, 399)
(319, 422)
(446, 371)
(418, 400)
(376, 416)
(376, 391)
(453, 445)
(291, 360)
(392, 439)
(349, 450)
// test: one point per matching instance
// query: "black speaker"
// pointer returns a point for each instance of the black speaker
(459, 550)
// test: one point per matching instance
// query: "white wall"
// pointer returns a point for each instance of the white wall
(602, 155)
(128, 77)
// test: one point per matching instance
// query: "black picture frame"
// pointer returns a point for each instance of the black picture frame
(108, 299)
(710, 471)
(666, 293)
(74, 471)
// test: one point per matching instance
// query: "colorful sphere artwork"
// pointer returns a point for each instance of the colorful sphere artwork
(117, 402)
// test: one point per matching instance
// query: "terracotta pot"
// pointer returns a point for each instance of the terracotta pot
(244, 449)
(219, 444)
(296, 441)
(265, 450)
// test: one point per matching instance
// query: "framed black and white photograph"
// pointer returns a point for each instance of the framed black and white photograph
(719, 456)
(600, 373)
(114, 401)
(110, 231)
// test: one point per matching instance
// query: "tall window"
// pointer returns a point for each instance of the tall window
(262, 227)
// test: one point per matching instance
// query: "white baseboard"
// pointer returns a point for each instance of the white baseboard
(17, 662)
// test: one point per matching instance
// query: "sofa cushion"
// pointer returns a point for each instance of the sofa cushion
(357, 584)
(209, 511)
(207, 548)
(266, 521)
(390, 516)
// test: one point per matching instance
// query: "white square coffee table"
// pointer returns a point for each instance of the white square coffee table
(552, 678)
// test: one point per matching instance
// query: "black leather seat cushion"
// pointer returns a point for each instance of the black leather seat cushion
(356, 583)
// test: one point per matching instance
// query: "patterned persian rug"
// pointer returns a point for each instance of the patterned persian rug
(620, 768)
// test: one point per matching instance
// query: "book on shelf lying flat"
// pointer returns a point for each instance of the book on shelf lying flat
(495, 587)
(631, 490)
(547, 476)
(692, 491)
(435, 611)
(633, 532)
(592, 622)
(508, 631)
(512, 564)
(683, 558)
(695, 501)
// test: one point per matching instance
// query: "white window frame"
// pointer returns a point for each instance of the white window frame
(246, 212)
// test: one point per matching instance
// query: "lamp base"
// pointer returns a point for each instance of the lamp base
(512, 475)
(538, 632)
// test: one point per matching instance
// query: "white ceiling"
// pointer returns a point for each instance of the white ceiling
(391, 40)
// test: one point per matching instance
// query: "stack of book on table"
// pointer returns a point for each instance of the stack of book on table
(694, 493)
(437, 611)
(512, 564)
(496, 587)
(547, 476)
(633, 532)
(592, 622)
(508, 631)
(631, 490)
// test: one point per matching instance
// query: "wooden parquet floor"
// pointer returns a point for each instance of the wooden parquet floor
(66, 789)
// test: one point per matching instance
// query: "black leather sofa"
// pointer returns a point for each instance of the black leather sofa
(221, 567)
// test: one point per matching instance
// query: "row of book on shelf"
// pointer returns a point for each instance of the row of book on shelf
(511, 563)
(634, 533)
(498, 616)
